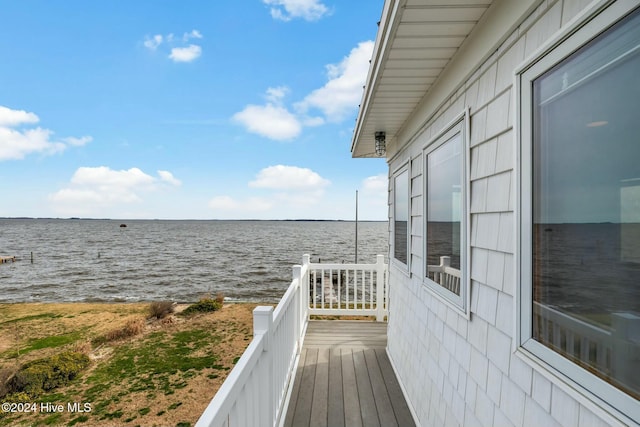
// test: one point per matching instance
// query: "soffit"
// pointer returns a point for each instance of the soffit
(415, 42)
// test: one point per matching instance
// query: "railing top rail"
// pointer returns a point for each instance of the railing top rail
(287, 298)
(337, 266)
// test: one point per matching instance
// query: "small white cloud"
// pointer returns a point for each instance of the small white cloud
(271, 121)
(341, 94)
(152, 43)
(194, 34)
(377, 184)
(78, 142)
(168, 177)
(286, 10)
(375, 194)
(282, 177)
(92, 189)
(185, 54)
(175, 46)
(17, 143)
(276, 94)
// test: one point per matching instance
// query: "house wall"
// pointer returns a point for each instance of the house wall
(457, 371)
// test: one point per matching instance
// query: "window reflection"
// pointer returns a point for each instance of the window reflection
(444, 213)
(586, 207)
(401, 216)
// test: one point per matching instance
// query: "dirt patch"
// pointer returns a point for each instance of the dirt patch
(164, 376)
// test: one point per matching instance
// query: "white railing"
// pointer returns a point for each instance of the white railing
(348, 289)
(445, 275)
(255, 392)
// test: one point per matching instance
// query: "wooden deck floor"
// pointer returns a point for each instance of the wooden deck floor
(344, 378)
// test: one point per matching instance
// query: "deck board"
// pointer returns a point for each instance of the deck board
(335, 410)
(319, 408)
(344, 378)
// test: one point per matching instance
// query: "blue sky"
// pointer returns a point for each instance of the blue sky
(173, 109)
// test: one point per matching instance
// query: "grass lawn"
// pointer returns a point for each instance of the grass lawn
(164, 375)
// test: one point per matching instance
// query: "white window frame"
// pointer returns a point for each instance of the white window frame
(597, 394)
(401, 265)
(462, 302)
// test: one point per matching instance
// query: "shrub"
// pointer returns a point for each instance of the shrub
(160, 309)
(5, 374)
(41, 375)
(130, 329)
(220, 298)
(205, 305)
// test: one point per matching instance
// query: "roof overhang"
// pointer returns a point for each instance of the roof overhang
(423, 51)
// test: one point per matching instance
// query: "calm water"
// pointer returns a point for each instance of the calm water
(97, 260)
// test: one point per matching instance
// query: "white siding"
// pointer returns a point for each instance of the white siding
(459, 371)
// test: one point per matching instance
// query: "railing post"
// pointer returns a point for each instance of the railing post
(297, 275)
(306, 260)
(380, 288)
(262, 322)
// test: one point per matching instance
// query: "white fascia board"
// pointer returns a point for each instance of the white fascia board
(383, 42)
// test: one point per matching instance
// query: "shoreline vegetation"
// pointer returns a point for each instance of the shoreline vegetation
(129, 364)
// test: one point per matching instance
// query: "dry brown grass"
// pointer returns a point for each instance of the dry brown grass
(160, 309)
(130, 329)
(230, 328)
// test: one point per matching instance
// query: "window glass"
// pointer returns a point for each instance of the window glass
(401, 216)
(586, 207)
(444, 213)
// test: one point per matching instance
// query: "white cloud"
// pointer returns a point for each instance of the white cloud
(176, 48)
(336, 100)
(152, 43)
(185, 54)
(168, 177)
(286, 10)
(78, 142)
(377, 184)
(12, 118)
(375, 194)
(92, 189)
(294, 192)
(313, 121)
(194, 34)
(282, 177)
(271, 121)
(341, 94)
(276, 94)
(17, 143)
(105, 177)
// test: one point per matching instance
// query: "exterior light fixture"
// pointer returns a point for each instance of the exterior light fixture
(381, 144)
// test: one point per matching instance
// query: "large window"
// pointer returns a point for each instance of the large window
(445, 214)
(580, 208)
(401, 216)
